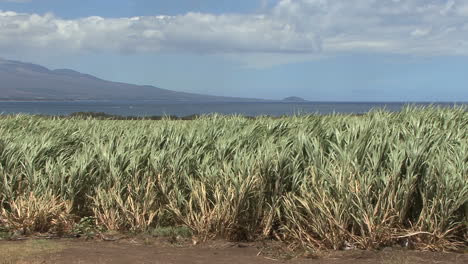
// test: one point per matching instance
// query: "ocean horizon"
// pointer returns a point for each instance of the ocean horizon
(156, 108)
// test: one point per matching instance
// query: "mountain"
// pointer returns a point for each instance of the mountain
(26, 81)
(294, 99)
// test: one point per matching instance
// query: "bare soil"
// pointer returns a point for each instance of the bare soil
(216, 252)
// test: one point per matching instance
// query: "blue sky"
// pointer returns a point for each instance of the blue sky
(322, 50)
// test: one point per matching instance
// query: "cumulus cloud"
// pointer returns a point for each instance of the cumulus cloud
(193, 32)
(293, 28)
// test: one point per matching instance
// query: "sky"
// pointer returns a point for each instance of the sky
(321, 50)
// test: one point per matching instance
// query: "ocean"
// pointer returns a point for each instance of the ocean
(149, 108)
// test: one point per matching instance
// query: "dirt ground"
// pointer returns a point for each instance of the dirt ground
(216, 252)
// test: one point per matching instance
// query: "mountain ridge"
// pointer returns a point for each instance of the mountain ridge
(28, 81)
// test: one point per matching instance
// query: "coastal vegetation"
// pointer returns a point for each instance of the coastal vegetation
(322, 182)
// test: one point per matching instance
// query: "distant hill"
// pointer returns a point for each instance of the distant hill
(26, 81)
(294, 99)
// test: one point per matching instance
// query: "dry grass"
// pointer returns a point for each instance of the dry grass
(38, 213)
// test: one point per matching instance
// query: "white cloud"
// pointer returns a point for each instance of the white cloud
(420, 32)
(386, 26)
(291, 29)
(193, 32)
